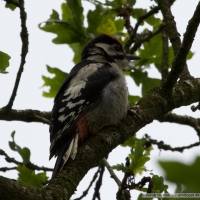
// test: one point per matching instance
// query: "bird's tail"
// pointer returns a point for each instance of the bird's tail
(67, 150)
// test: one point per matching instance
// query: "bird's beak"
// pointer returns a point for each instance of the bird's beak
(131, 57)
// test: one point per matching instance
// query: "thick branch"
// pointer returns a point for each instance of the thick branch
(24, 51)
(25, 115)
(98, 146)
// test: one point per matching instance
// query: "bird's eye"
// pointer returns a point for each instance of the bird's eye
(118, 48)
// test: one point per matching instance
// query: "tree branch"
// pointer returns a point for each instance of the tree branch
(96, 194)
(184, 120)
(181, 53)
(146, 38)
(112, 173)
(99, 145)
(90, 185)
(173, 33)
(166, 147)
(29, 165)
(24, 51)
(165, 57)
(25, 115)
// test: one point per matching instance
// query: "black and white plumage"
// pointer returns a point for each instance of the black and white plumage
(93, 95)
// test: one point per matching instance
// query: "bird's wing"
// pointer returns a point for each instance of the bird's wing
(78, 93)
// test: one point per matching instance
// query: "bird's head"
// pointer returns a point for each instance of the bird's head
(105, 48)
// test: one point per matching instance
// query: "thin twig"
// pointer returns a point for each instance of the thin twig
(96, 194)
(29, 165)
(147, 37)
(166, 147)
(173, 34)
(125, 12)
(140, 20)
(135, 29)
(112, 173)
(181, 50)
(184, 120)
(4, 169)
(90, 185)
(24, 50)
(195, 108)
(165, 56)
(25, 115)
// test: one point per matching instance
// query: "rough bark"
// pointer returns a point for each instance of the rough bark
(153, 105)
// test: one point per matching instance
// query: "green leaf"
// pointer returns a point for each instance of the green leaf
(148, 83)
(54, 15)
(153, 21)
(92, 17)
(11, 6)
(77, 12)
(133, 99)
(4, 61)
(180, 173)
(190, 55)
(138, 159)
(158, 184)
(137, 12)
(72, 35)
(77, 49)
(120, 167)
(119, 25)
(107, 27)
(131, 3)
(12, 144)
(25, 154)
(115, 3)
(70, 29)
(179, 188)
(55, 82)
(130, 142)
(28, 177)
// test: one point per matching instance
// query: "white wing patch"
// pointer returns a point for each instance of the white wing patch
(64, 117)
(72, 105)
(74, 91)
(71, 151)
(61, 110)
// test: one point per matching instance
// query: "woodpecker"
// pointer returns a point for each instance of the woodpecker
(92, 96)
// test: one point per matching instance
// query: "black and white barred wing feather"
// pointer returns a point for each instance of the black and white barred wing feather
(78, 93)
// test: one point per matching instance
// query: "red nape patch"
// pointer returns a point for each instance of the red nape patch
(114, 39)
(83, 130)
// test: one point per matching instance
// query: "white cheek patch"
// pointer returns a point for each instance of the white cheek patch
(103, 46)
(109, 49)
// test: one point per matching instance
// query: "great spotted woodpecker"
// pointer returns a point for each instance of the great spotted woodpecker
(93, 95)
